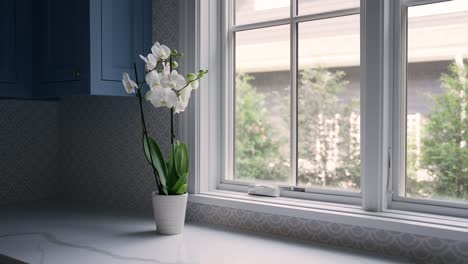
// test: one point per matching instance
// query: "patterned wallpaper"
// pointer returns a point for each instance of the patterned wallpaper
(28, 150)
(165, 21)
(101, 157)
(414, 248)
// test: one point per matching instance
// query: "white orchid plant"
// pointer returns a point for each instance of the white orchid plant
(167, 88)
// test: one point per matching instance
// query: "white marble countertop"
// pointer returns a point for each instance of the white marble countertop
(49, 233)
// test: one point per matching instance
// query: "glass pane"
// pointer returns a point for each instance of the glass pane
(437, 99)
(262, 104)
(328, 104)
(306, 7)
(253, 11)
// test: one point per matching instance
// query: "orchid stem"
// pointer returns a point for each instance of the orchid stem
(145, 132)
(172, 110)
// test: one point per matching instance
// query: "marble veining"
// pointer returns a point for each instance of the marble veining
(50, 238)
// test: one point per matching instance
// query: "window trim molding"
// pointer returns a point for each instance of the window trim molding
(205, 135)
(293, 20)
(398, 130)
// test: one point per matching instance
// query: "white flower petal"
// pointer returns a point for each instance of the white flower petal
(183, 100)
(152, 78)
(179, 81)
(152, 61)
(156, 51)
(171, 98)
(144, 58)
(167, 69)
(165, 52)
(153, 97)
(128, 84)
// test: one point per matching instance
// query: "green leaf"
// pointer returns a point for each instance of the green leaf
(179, 184)
(157, 159)
(181, 159)
(172, 176)
(182, 189)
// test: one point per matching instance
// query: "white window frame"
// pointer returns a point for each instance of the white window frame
(228, 182)
(396, 200)
(203, 35)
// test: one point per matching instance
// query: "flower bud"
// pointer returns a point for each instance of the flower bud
(191, 77)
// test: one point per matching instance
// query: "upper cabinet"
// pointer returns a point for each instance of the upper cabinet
(79, 47)
(15, 48)
(60, 49)
(120, 31)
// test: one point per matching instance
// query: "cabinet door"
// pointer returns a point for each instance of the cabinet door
(15, 48)
(8, 43)
(60, 33)
(122, 36)
(120, 31)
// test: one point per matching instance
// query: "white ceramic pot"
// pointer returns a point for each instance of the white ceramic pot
(169, 213)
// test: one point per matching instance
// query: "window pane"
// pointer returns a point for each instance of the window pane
(253, 11)
(328, 104)
(437, 99)
(306, 7)
(262, 104)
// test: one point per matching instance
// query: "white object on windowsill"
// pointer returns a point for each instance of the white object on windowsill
(263, 190)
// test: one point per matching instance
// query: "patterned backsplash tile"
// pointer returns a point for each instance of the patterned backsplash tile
(415, 248)
(28, 150)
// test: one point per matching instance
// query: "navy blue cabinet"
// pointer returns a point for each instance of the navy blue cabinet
(120, 31)
(15, 48)
(76, 47)
(61, 36)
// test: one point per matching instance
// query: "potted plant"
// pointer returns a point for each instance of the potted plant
(167, 88)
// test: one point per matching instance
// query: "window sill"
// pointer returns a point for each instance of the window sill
(390, 220)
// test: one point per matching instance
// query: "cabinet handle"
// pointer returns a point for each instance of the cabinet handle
(76, 73)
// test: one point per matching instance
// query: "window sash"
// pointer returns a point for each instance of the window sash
(226, 181)
(398, 149)
(378, 190)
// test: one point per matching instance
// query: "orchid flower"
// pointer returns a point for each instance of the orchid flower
(172, 80)
(153, 79)
(129, 85)
(150, 61)
(161, 52)
(162, 97)
(183, 100)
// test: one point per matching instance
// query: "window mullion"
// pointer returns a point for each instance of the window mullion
(374, 115)
(293, 79)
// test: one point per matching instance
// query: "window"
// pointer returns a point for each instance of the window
(333, 101)
(432, 106)
(295, 94)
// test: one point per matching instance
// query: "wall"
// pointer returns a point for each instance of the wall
(415, 248)
(28, 150)
(101, 156)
